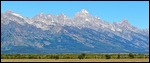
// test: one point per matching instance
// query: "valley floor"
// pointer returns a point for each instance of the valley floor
(75, 60)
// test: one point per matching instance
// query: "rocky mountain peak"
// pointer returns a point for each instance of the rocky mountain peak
(84, 11)
(124, 21)
(63, 15)
(9, 11)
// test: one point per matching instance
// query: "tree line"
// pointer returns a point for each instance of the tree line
(73, 56)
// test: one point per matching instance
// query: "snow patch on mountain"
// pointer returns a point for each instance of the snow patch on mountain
(17, 15)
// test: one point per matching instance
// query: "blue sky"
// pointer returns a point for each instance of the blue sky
(136, 12)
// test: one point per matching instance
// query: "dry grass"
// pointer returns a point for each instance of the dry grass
(75, 60)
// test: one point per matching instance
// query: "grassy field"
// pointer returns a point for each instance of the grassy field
(74, 60)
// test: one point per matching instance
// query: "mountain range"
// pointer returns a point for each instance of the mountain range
(84, 33)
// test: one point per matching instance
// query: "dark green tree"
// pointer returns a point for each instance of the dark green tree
(56, 57)
(131, 55)
(118, 57)
(107, 56)
(82, 56)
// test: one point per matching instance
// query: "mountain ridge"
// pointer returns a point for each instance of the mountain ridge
(60, 33)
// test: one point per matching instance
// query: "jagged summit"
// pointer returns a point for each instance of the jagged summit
(41, 14)
(63, 15)
(84, 11)
(124, 21)
(9, 11)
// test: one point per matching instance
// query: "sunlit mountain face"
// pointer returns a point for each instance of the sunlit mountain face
(46, 33)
